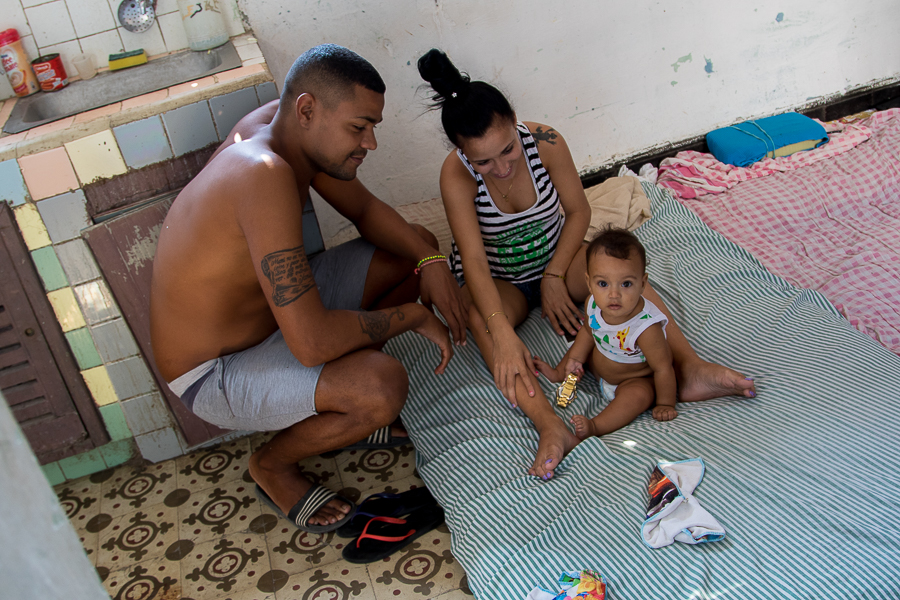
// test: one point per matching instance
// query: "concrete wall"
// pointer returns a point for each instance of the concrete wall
(614, 78)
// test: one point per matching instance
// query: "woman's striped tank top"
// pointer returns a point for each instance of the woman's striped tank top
(519, 245)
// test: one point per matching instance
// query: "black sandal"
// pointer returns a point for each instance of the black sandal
(382, 536)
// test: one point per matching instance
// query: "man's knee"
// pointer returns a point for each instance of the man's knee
(386, 385)
(426, 235)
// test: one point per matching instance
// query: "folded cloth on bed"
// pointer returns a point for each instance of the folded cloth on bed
(618, 201)
(692, 174)
(586, 585)
(745, 143)
(673, 514)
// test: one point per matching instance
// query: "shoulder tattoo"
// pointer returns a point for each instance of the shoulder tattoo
(289, 273)
(376, 323)
(548, 136)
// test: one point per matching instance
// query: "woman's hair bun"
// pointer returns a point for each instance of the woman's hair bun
(445, 79)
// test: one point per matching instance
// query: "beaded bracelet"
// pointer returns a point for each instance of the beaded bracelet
(549, 274)
(493, 314)
(425, 262)
(427, 258)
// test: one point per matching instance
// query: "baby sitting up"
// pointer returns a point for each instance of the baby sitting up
(626, 340)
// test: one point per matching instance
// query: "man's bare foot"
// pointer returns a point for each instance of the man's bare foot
(702, 380)
(556, 442)
(286, 486)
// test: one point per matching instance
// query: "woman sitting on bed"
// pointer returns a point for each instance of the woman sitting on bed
(513, 250)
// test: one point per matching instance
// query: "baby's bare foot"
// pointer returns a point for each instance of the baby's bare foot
(664, 413)
(584, 427)
(703, 380)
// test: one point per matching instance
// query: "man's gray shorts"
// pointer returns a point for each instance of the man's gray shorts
(264, 388)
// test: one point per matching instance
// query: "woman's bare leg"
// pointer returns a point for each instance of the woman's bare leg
(556, 439)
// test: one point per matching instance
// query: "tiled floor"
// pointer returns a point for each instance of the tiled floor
(193, 528)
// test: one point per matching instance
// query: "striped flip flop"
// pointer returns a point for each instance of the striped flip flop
(314, 499)
(381, 439)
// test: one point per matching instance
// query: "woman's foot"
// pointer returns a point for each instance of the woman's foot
(702, 380)
(556, 442)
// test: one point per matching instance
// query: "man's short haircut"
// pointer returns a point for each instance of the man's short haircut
(618, 243)
(329, 72)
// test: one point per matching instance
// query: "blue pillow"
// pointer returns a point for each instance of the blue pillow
(745, 143)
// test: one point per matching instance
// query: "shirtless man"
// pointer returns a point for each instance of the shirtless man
(250, 333)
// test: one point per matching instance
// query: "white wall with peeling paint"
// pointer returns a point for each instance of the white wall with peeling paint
(615, 78)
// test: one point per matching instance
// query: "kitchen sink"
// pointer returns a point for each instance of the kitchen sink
(114, 86)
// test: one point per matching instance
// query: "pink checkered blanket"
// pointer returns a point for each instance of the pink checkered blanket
(831, 226)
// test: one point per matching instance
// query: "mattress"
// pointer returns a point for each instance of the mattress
(803, 477)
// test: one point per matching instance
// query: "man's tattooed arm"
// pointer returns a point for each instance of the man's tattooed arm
(548, 136)
(376, 323)
(289, 273)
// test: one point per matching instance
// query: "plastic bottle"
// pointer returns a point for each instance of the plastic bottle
(16, 64)
(203, 23)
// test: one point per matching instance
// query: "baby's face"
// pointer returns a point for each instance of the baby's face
(617, 286)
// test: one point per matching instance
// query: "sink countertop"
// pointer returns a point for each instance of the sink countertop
(53, 135)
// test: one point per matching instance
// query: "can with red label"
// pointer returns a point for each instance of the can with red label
(50, 72)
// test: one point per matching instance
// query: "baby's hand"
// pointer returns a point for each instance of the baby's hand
(664, 413)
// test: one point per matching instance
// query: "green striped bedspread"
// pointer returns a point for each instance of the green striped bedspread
(804, 477)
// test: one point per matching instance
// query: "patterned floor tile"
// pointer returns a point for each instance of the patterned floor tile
(137, 537)
(192, 528)
(366, 469)
(337, 581)
(213, 466)
(422, 570)
(215, 568)
(149, 580)
(130, 488)
(215, 511)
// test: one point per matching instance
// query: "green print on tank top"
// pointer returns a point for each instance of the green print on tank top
(522, 246)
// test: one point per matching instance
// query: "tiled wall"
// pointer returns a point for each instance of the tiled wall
(44, 191)
(72, 27)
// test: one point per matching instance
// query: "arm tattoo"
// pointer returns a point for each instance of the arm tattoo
(376, 323)
(289, 273)
(545, 136)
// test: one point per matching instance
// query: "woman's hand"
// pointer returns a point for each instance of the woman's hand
(557, 305)
(512, 359)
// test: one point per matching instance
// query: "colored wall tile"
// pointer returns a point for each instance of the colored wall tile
(12, 185)
(117, 453)
(53, 473)
(159, 445)
(83, 348)
(190, 127)
(151, 98)
(66, 308)
(64, 216)
(114, 419)
(48, 173)
(114, 340)
(266, 92)
(146, 413)
(228, 109)
(96, 157)
(97, 381)
(82, 464)
(143, 142)
(96, 301)
(49, 269)
(190, 86)
(32, 227)
(77, 261)
(130, 377)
